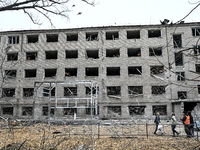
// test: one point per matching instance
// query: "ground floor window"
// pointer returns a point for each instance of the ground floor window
(7, 110)
(114, 110)
(136, 110)
(162, 109)
(27, 111)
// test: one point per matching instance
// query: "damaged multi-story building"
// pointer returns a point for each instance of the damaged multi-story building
(139, 70)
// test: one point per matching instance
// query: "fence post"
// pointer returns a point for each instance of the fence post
(98, 129)
(147, 130)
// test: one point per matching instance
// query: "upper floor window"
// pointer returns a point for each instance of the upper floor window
(92, 54)
(154, 33)
(156, 70)
(135, 90)
(71, 54)
(92, 36)
(179, 59)
(13, 39)
(51, 54)
(12, 56)
(72, 37)
(70, 91)
(196, 31)
(112, 35)
(30, 73)
(182, 94)
(112, 53)
(49, 91)
(32, 38)
(52, 38)
(134, 52)
(135, 70)
(197, 66)
(157, 90)
(196, 50)
(10, 73)
(8, 92)
(113, 90)
(113, 71)
(28, 92)
(69, 72)
(31, 55)
(50, 72)
(155, 51)
(92, 71)
(180, 76)
(177, 40)
(133, 34)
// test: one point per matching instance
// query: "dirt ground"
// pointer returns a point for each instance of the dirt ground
(44, 136)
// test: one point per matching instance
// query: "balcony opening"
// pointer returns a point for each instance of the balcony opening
(112, 53)
(92, 71)
(196, 31)
(155, 51)
(180, 76)
(32, 38)
(136, 110)
(133, 34)
(52, 37)
(135, 70)
(113, 91)
(31, 55)
(30, 73)
(89, 90)
(196, 50)
(158, 90)
(8, 92)
(135, 91)
(12, 56)
(50, 73)
(70, 91)
(49, 90)
(162, 109)
(182, 94)
(45, 111)
(70, 72)
(27, 111)
(28, 92)
(10, 74)
(71, 54)
(92, 54)
(51, 54)
(197, 68)
(114, 110)
(13, 39)
(113, 71)
(134, 52)
(179, 59)
(92, 36)
(88, 111)
(112, 35)
(156, 70)
(70, 111)
(154, 33)
(177, 41)
(72, 37)
(7, 111)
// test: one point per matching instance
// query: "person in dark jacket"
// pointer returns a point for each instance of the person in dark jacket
(157, 121)
(191, 123)
(186, 121)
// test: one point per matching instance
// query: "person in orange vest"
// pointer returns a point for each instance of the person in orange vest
(186, 121)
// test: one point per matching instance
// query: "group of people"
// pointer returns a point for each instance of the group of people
(187, 120)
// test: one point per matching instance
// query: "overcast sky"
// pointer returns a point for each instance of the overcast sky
(108, 12)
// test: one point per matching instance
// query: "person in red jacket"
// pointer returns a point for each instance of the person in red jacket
(186, 121)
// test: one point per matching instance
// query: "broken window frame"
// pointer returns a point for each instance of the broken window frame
(177, 40)
(91, 71)
(154, 33)
(74, 37)
(162, 109)
(91, 36)
(45, 111)
(71, 72)
(13, 39)
(70, 91)
(88, 91)
(158, 89)
(10, 74)
(51, 55)
(70, 111)
(135, 91)
(31, 56)
(50, 73)
(195, 31)
(157, 51)
(112, 35)
(8, 112)
(30, 73)
(32, 38)
(157, 70)
(94, 54)
(12, 56)
(196, 50)
(51, 38)
(134, 52)
(73, 54)
(27, 111)
(8, 92)
(197, 67)
(28, 92)
(182, 94)
(114, 110)
(113, 71)
(113, 90)
(178, 58)
(133, 34)
(180, 76)
(49, 90)
(134, 70)
(136, 110)
(112, 52)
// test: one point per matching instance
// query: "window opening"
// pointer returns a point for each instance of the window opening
(71, 54)
(157, 90)
(70, 91)
(136, 110)
(113, 71)
(134, 52)
(51, 54)
(72, 37)
(30, 73)
(155, 51)
(32, 38)
(179, 59)
(50, 72)
(10, 74)
(112, 53)
(31, 55)
(52, 37)
(177, 41)
(112, 36)
(196, 49)
(133, 34)
(13, 39)
(180, 76)
(156, 70)
(70, 72)
(182, 95)
(162, 109)
(88, 90)
(8, 92)
(92, 71)
(197, 68)
(114, 110)
(92, 36)
(92, 54)
(196, 31)
(70, 111)
(154, 33)
(7, 111)
(114, 90)
(46, 91)
(28, 92)
(12, 56)
(27, 111)
(135, 90)
(88, 111)
(45, 111)
(198, 89)
(135, 70)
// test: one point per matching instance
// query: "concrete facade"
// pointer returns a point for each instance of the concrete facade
(135, 67)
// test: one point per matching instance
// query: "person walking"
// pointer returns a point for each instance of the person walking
(186, 121)
(157, 121)
(173, 124)
(191, 123)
